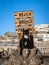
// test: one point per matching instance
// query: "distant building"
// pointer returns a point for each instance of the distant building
(42, 26)
(41, 38)
(10, 35)
(1, 38)
(42, 32)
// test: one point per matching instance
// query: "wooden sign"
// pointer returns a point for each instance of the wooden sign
(23, 14)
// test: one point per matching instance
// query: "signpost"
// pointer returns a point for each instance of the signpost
(24, 20)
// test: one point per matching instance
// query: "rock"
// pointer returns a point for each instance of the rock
(5, 54)
(25, 53)
(39, 54)
(32, 53)
(5, 63)
(32, 62)
(25, 62)
(35, 61)
(1, 49)
(1, 61)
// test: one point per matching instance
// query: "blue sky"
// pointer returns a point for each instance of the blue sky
(40, 9)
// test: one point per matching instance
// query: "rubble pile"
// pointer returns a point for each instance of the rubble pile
(28, 57)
